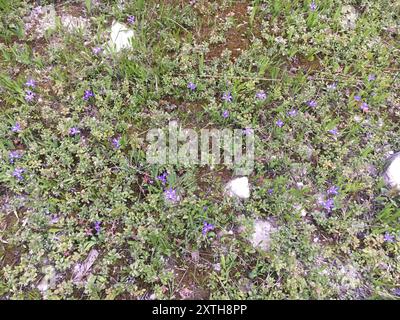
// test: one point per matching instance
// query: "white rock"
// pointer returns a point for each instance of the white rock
(349, 17)
(49, 280)
(71, 23)
(261, 236)
(392, 172)
(239, 187)
(121, 37)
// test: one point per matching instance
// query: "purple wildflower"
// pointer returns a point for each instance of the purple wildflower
(116, 142)
(97, 226)
(388, 237)
(364, 107)
(170, 195)
(261, 95)
(332, 86)
(191, 86)
(313, 6)
(371, 77)
(227, 97)
(248, 131)
(207, 227)
(357, 98)
(396, 292)
(131, 19)
(333, 190)
(163, 177)
(74, 131)
(29, 95)
(96, 50)
(30, 83)
(292, 113)
(279, 123)
(328, 205)
(18, 173)
(14, 155)
(88, 94)
(312, 103)
(270, 191)
(16, 127)
(225, 114)
(334, 131)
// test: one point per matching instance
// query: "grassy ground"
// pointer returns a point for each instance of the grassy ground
(74, 179)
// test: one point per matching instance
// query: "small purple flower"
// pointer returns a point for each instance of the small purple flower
(30, 83)
(116, 142)
(97, 226)
(333, 190)
(18, 173)
(96, 50)
(131, 19)
(313, 6)
(88, 94)
(191, 86)
(328, 205)
(364, 107)
(207, 227)
(261, 95)
(332, 86)
(312, 103)
(334, 131)
(14, 155)
(248, 131)
(29, 95)
(388, 237)
(74, 131)
(270, 191)
(227, 97)
(225, 114)
(292, 113)
(357, 98)
(170, 195)
(279, 123)
(163, 177)
(371, 77)
(16, 127)
(396, 292)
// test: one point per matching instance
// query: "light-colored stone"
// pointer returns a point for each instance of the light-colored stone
(82, 269)
(71, 23)
(40, 20)
(239, 187)
(49, 280)
(261, 237)
(392, 172)
(120, 37)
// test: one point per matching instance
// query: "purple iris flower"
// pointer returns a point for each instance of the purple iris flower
(357, 98)
(116, 142)
(248, 131)
(292, 113)
(371, 77)
(14, 155)
(29, 95)
(397, 292)
(207, 227)
(227, 97)
(16, 127)
(333, 190)
(388, 237)
(131, 19)
(74, 131)
(97, 50)
(18, 173)
(170, 195)
(97, 226)
(328, 205)
(163, 177)
(225, 114)
(332, 86)
(312, 103)
(88, 94)
(279, 123)
(261, 95)
(30, 83)
(313, 6)
(334, 131)
(192, 86)
(364, 107)
(270, 191)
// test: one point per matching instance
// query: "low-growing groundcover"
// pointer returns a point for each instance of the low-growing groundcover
(85, 216)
